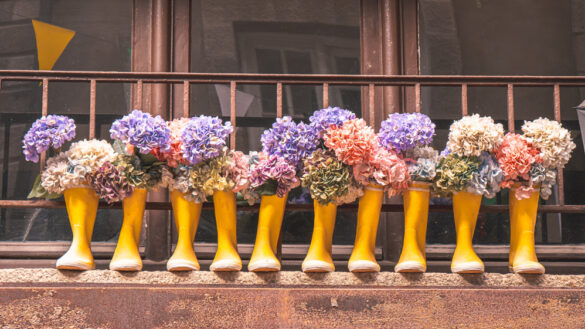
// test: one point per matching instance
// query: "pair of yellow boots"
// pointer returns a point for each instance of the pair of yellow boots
(465, 210)
(82, 206)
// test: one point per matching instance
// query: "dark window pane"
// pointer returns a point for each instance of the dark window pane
(347, 65)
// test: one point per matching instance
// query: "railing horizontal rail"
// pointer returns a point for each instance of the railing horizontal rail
(248, 121)
(317, 79)
(291, 206)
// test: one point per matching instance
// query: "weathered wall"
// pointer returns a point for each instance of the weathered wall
(49, 299)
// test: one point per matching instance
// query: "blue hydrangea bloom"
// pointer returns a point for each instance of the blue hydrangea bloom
(203, 138)
(143, 131)
(486, 181)
(289, 140)
(322, 119)
(403, 131)
(50, 131)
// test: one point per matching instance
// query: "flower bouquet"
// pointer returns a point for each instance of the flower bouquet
(207, 170)
(374, 170)
(273, 175)
(409, 134)
(529, 163)
(67, 174)
(468, 172)
(329, 180)
(128, 178)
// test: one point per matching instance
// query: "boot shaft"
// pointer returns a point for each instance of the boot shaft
(270, 218)
(81, 204)
(224, 204)
(370, 205)
(465, 210)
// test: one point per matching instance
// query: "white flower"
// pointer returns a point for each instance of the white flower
(553, 141)
(473, 134)
(69, 169)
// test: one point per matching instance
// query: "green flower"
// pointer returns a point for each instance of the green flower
(327, 178)
(142, 171)
(454, 173)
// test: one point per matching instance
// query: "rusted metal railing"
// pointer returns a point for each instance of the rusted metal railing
(280, 80)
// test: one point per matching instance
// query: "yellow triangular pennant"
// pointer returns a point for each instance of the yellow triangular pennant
(51, 42)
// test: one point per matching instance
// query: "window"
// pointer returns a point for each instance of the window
(102, 42)
(274, 37)
(497, 37)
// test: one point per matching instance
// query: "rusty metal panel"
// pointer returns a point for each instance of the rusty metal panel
(104, 306)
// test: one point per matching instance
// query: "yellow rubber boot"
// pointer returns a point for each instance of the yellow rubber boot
(226, 257)
(416, 212)
(82, 204)
(465, 210)
(187, 215)
(318, 257)
(126, 257)
(522, 221)
(363, 258)
(269, 222)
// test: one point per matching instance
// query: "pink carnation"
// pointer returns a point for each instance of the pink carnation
(175, 155)
(383, 168)
(516, 156)
(352, 142)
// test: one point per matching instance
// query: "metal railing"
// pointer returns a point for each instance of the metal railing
(369, 82)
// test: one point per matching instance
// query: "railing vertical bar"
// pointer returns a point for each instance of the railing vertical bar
(417, 98)
(5, 164)
(560, 173)
(233, 114)
(325, 95)
(557, 98)
(464, 103)
(44, 112)
(511, 107)
(92, 92)
(45, 105)
(279, 115)
(279, 100)
(371, 95)
(139, 88)
(186, 98)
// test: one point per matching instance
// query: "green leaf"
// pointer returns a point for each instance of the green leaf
(268, 188)
(38, 191)
(147, 159)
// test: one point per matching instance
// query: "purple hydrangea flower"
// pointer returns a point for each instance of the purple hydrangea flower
(321, 120)
(204, 137)
(109, 183)
(142, 131)
(277, 169)
(404, 131)
(50, 131)
(289, 140)
(445, 152)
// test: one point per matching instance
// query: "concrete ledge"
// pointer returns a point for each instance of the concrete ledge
(283, 279)
(48, 298)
